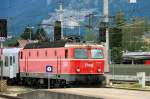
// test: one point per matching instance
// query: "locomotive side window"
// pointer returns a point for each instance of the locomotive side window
(29, 54)
(10, 60)
(81, 53)
(96, 54)
(37, 53)
(55, 53)
(45, 53)
(21, 55)
(66, 53)
(6, 61)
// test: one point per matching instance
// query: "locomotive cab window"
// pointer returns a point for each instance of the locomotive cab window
(96, 54)
(80, 53)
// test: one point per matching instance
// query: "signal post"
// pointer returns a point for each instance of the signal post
(3, 35)
(2, 39)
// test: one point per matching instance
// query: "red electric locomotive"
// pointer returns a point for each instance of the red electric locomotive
(64, 63)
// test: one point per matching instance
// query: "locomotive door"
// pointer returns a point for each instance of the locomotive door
(26, 65)
(58, 64)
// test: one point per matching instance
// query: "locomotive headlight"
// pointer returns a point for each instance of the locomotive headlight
(98, 70)
(78, 70)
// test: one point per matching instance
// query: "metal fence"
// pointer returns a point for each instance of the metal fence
(128, 72)
(123, 69)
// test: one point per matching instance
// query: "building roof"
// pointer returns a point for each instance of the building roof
(136, 55)
(11, 50)
(22, 43)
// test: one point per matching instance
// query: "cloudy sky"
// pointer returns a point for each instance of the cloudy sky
(21, 13)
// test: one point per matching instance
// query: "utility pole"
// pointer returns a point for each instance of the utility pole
(3, 35)
(30, 31)
(90, 16)
(106, 20)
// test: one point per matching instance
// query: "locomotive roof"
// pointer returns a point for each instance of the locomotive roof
(61, 43)
(38, 45)
(11, 50)
(83, 45)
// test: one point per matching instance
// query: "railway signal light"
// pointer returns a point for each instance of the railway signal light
(3, 28)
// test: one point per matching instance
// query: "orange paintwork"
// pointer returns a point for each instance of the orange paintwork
(35, 61)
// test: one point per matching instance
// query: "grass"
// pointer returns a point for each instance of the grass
(136, 85)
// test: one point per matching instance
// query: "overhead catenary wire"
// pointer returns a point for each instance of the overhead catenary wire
(95, 27)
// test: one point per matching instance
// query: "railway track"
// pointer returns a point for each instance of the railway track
(90, 92)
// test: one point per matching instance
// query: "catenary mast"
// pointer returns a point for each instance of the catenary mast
(106, 20)
(60, 12)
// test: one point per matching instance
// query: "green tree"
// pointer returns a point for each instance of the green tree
(133, 35)
(27, 34)
(11, 42)
(127, 36)
(116, 33)
(41, 35)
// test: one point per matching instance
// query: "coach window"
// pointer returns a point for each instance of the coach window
(13, 59)
(0, 57)
(6, 61)
(66, 53)
(10, 60)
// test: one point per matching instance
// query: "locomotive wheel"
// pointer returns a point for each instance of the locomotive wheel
(28, 81)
